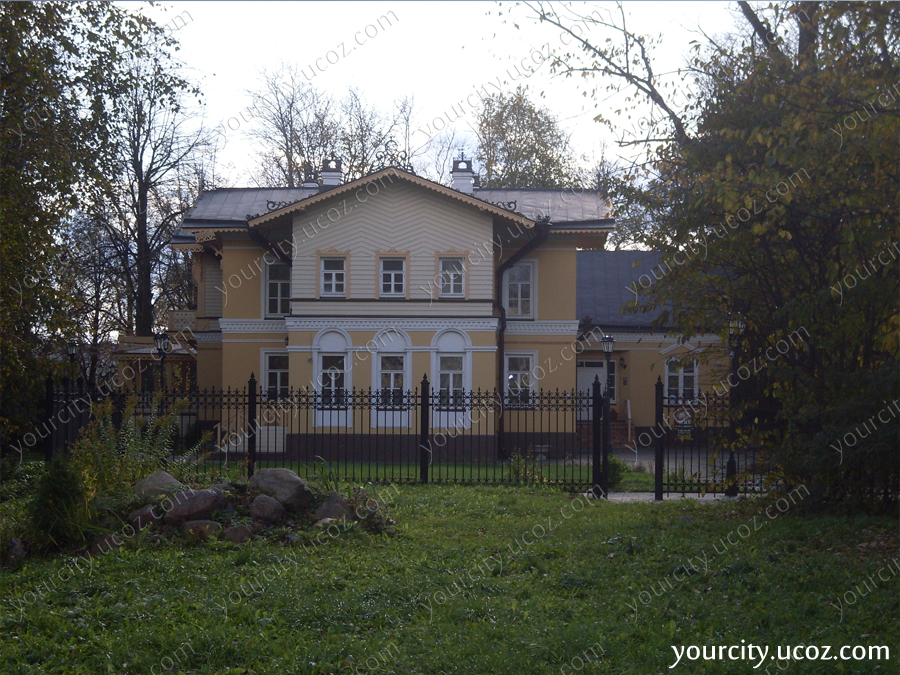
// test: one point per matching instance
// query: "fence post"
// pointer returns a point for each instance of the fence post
(658, 478)
(424, 429)
(607, 440)
(596, 438)
(251, 425)
(51, 426)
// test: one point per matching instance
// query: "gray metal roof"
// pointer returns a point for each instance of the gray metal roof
(562, 205)
(604, 279)
(232, 205)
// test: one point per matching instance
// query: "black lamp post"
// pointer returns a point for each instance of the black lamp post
(735, 328)
(72, 350)
(607, 342)
(162, 346)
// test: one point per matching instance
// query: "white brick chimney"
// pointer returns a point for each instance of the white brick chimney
(332, 172)
(463, 175)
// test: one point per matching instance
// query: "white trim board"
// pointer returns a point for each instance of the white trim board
(524, 327)
(422, 324)
(253, 325)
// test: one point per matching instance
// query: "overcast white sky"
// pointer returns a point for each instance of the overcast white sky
(437, 52)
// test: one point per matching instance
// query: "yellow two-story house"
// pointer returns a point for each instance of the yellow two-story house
(379, 282)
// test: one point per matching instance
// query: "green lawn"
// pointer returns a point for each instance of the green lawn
(559, 581)
(461, 473)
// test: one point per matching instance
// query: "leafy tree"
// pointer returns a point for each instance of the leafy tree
(521, 144)
(57, 63)
(775, 193)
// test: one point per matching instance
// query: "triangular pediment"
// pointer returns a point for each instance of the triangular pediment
(391, 174)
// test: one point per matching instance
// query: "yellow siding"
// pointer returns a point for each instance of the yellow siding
(556, 283)
(243, 278)
(644, 364)
(239, 359)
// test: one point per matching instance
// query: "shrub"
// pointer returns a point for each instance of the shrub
(111, 459)
(617, 470)
(523, 468)
(374, 520)
(60, 513)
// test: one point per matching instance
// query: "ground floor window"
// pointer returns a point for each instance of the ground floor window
(332, 379)
(277, 383)
(681, 379)
(391, 385)
(450, 381)
(519, 381)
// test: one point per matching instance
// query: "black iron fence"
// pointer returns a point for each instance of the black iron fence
(421, 435)
(696, 448)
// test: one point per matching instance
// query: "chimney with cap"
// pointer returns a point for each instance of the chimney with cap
(463, 175)
(310, 180)
(332, 173)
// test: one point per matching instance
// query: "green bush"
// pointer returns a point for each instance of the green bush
(60, 512)
(108, 458)
(524, 468)
(112, 459)
(617, 470)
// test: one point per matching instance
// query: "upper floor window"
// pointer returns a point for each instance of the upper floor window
(334, 272)
(277, 375)
(393, 277)
(518, 291)
(278, 289)
(452, 279)
(681, 379)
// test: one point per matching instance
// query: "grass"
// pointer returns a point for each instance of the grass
(462, 473)
(572, 578)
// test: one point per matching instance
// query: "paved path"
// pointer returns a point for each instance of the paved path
(628, 497)
(648, 497)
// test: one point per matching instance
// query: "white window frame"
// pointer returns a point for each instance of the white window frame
(403, 372)
(532, 264)
(342, 403)
(680, 394)
(322, 272)
(283, 390)
(392, 414)
(519, 401)
(382, 272)
(461, 274)
(452, 403)
(281, 284)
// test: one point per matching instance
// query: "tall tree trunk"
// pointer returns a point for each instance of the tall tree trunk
(809, 33)
(144, 309)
